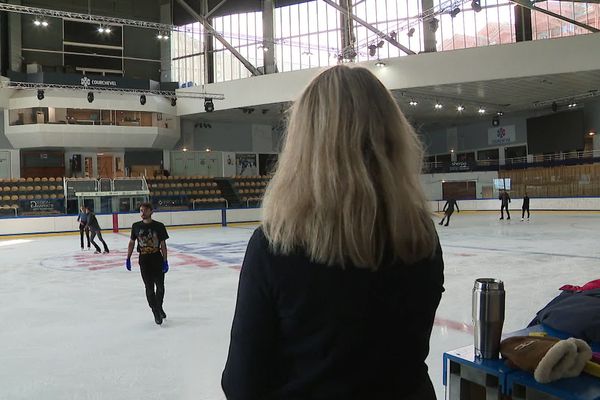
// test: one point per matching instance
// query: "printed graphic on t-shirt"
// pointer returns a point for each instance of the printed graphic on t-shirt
(148, 242)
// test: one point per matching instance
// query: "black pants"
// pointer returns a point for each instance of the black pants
(447, 215)
(153, 275)
(523, 213)
(87, 235)
(502, 208)
(94, 233)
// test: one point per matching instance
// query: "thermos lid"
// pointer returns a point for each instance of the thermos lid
(488, 284)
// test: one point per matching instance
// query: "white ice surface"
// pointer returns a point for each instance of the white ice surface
(74, 325)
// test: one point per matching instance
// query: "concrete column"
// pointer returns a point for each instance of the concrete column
(209, 64)
(165, 45)
(347, 31)
(268, 18)
(14, 40)
(429, 42)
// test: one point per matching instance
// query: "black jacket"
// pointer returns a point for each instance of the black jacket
(303, 330)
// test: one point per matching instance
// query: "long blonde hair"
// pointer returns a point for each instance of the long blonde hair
(346, 188)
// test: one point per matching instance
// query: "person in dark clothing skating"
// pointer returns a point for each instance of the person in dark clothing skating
(94, 227)
(151, 239)
(82, 219)
(449, 210)
(505, 199)
(525, 207)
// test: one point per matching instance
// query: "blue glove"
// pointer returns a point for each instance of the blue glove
(165, 266)
(128, 264)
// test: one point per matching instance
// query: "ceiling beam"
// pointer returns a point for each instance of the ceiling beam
(370, 27)
(220, 38)
(215, 8)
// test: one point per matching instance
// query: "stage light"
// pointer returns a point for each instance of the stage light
(495, 121)
(209, 106)
(476, 5)
(380, 64)
(481, 110)
(454, 12)
(460, 108)
(40, 95)
(410, 32)
(438, 106)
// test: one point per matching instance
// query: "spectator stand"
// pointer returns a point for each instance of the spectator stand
(250, 189)
(31, 196)
(184, 193)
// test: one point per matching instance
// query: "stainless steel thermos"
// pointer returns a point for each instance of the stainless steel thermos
(488, 316)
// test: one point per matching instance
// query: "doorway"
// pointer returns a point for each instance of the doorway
(105, 166)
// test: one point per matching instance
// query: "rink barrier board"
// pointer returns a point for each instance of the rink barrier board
(68, 223)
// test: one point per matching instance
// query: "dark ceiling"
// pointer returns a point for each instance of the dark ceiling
(181, 17)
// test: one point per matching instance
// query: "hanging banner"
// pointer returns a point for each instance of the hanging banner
(502, 135)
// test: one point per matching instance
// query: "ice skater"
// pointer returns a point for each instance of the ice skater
(449, 210)
(151, 239)
(82, 219)
(94, 227)
(505, 199)
(525, 207)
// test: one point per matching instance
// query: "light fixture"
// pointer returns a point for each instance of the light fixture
(44, 23)
(499, 113)
(476, 5)
(372, 49)
(434, 25)
(90, 97)
(591, 133)
(481, 110)
(107, 30)
(209, 106)
(40, 95)
(495, 121)
(438, 106)
(380, 44)
(101, 29)
(393, 35)
(184, 149)
(451, 150)
(207, 149)
(413, 103)
(265, 49)
(454, 12)
(410, 32)
(380, 64)
(143, 99)
(460, 108)
(571, 105)
(37, 22)
(173, 101)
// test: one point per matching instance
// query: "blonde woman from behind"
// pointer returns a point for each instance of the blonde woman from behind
(340, 284)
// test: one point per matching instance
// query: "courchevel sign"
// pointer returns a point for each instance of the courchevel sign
(85, 82)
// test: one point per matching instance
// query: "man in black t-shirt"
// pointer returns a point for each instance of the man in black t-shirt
(525, 207)
(151, 239)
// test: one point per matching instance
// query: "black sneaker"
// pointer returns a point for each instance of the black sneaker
(163, 314)
(157, 317)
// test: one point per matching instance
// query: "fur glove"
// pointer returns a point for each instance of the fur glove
(547, 358)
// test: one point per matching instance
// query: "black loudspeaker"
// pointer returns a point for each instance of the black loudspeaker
(76, 163)
(495, 121)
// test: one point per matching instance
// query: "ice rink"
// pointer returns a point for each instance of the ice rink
(75, 325)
